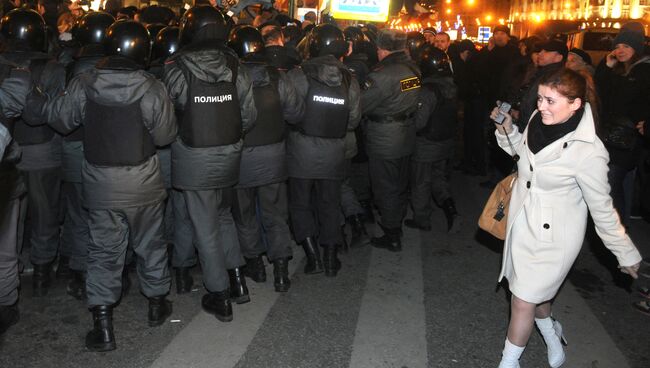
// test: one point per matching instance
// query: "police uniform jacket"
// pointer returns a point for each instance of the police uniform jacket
(73, 153)
(266, 164)
(52, 81)
(13, 91)
(311, 157)
(427, 150)
(117, 82)
(210, 167)
(389, 100)
(547, 219)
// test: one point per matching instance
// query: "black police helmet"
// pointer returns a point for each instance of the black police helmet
(154, 29)
(166, 43)
(414, 40)
(246, 40)
(91, 28)
(434, 62)
(202, 21)
(353, 34)
(129, 39)
(25, 27)
(327, 39)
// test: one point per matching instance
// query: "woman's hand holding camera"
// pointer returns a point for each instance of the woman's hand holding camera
(506, 126)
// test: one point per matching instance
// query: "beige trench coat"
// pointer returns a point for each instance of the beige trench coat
(548, 211)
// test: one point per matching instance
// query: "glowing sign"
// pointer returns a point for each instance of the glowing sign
(369, 10)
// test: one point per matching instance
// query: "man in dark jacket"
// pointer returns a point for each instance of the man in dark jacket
(14, 86)
(41, 145)
(316, 147)
(126, 113)
(436, 123)
(91, 33)
(263, 170)
(390, 101)
(214, 97)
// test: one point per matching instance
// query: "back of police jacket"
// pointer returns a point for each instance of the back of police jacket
(40, 145)
(125, 112)
(314, 149)
(389, 99)
(15, 84)
(208, 163)
(264, 155)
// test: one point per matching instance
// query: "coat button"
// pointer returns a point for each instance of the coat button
(565, 145)
(528, 184)
(547, 226)
(531, 167)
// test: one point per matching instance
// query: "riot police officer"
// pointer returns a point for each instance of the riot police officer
(178, 228)
(126, 113)
(389, 100)
(436, 123)
(90, 33)
(25, 32)
(414, 42)
(263, 170)
(15, 82)
(316, 147)
(214, 99)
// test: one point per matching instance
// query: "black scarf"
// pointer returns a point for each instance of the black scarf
(541, 135)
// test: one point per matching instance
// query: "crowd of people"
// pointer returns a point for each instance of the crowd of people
(153, 139)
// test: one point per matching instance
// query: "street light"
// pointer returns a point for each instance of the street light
(488, 18)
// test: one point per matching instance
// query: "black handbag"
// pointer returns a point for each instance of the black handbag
(621, 134)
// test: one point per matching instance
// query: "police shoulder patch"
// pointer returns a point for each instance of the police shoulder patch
(410, 83)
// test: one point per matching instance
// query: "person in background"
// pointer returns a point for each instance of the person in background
(430, 35)
(442, 41)
(579, 60)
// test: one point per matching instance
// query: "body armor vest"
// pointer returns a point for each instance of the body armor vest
(116, 135)
(269, 127)
(444, 118)
(212, 116)
(326, 107)
(79, 66)
(27, 135)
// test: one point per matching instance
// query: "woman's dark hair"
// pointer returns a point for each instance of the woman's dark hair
(572, 84)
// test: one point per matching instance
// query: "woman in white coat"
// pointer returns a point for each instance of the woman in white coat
(562, 172)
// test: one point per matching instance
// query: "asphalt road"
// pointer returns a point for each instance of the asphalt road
(436, 304)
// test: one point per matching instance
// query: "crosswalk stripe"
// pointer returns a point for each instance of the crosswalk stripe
(391, 330)
(206, 342)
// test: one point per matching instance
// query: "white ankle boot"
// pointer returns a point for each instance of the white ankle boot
(551, 331)
(511, 355)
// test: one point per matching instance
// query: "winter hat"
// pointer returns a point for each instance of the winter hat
(501, 28)
(582, 54)
(429, 30)
(555, 45)
(391, 39)
(630, 38)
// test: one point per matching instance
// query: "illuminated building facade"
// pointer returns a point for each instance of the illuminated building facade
(541, 10)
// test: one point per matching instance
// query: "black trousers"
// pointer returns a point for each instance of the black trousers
(43, 204)
(390, 180)
(271, 202)
(315, 207)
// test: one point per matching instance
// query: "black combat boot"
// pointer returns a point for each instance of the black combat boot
(449, 207)
(238, 289)
(63, 270)
(314, 263)
(42, 279)
(359, 233)
(77, 286)
(369, 215)
(218, 304)
(9, 316)
(184, 280)
(391, 239)
(331, 262)
(159, 309)
(281, 280)
(101, 337)
(255, 269)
